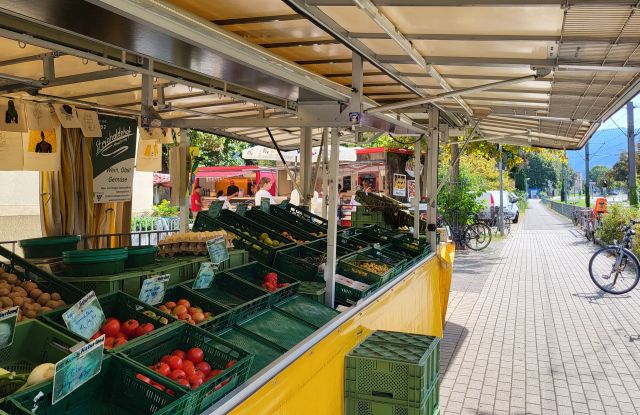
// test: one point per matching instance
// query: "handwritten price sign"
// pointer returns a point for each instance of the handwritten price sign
(152, 291)
(76, 369)
(85, 317)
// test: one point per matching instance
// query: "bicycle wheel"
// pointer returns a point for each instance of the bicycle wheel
(477, 236)
(588, 231)
(614, 270)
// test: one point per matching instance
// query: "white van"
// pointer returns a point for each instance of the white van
(491, 203)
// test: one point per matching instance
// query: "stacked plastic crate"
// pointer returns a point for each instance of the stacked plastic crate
(393, 373)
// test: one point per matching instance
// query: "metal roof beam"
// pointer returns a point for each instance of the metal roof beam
(301, 43)
(258, 19)
(479, 3)
(502, 38)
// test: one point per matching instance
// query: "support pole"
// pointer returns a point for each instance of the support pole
(631, 141)
(305, 167)
(185, 141)
(416, 200)
(332, 185)
(432, 167)
(501, 209)
(587, 179)
(325, 172)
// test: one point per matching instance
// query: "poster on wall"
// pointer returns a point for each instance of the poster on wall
(11, 151)
(67, 115)
(149, 156)
(113, 156)
(399, 185)
(41, 150)
(12, 117)
(411, 186)
(40, 117)
(89, 123)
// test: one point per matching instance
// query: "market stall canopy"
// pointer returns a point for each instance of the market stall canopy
(226, 172)
(266, 153)
(543, 73)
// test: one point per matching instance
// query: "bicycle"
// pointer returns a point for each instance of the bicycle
(592, 225)
(475, 236)
(615, 269)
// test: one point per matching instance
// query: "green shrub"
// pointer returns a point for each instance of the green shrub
(612, 222)
(165, 210)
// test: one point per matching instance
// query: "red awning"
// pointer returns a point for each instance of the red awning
(161, 179)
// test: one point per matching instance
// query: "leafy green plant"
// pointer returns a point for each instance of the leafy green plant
(165, 210)
(612, 222)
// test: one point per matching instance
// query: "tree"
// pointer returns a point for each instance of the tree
(541, 171)
(598, 174)
(216, 150)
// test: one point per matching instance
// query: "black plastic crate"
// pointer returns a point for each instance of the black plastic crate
(280, 225)
(254, 272)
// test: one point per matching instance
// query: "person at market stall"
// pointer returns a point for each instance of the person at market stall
(294, 199)
(224, 199)
(196, 200)
(263, 191)
(366, 187)
(232, 190)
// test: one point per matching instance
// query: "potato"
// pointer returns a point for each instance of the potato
(29, 286)
(45, 309)
(51, 304)
(36, 307)
(18, 301)
(35, 294)
(56, 297)
(30, 314)
(15, 295)
(11, 278)
(4, 292)
(6, 302)
(28, 300)
(44, 298)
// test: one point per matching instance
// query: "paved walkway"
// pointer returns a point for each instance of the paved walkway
(528, 333)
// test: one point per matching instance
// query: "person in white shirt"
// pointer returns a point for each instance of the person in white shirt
(224, 199)
(263, 191)
(294, 199)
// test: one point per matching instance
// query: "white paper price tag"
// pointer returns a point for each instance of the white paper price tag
(76, 369)
(8, 320)
(152, 291)
(85, 317)
(206, 273)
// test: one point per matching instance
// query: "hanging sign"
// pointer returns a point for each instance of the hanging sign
(152, 291)
(76, 369)
(85, 317)
(40, 117)
(12, 117)
(41, 150)
(411, 187)
(113, 157)
(8, 320)
(399, 185)
(206, 273)
(67, 115)
(217, 250)
(11, 151)
(89, 123)
(149, 156)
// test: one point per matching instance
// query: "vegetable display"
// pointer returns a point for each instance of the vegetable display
(291, 238)
(118, 333)
(271, 282)
(183, 310)
(27, 295)
(39, 374)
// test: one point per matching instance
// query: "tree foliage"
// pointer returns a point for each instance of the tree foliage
(598, 174)
(540, 171)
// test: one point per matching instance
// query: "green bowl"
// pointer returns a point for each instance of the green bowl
(49, 247)
(140, 256)
(95, 262)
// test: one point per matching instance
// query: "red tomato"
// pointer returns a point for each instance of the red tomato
(111, 328)
(184, 303)
(162, 368)
(157, 385)
(189, 369)
(183, 382)
(195, 354)
(122, 335)
(110, 343)
(175, 362)
(129, 327)
(230, 363)
(143, 378)
(215, 372)
(204, 367)
(120, 341)
(144, 329)
(195, 381)
(180, 353)
(165, 358)
(177, 375)
(186, 362)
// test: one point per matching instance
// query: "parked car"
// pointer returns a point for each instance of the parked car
(490, 201)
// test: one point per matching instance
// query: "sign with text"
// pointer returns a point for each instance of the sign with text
(76, 369)
(8, 320)
(152, 291)
(217, 248)
(113, 156)
(85, 317)
(399, 185)
(206, 273)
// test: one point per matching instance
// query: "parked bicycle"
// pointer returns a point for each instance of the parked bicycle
(475, 236)
(493, 224)
(615, 269)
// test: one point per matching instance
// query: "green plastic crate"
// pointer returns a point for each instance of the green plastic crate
(301, 262)
(91, 262)
(242, 298)
(33, 343)
(313, 290)
(351, 267)
(140, 256)
(279, 224)
(217, 352)
(118, 305)
(115, 390)
(302, 213)
(129, 282)
(420, 247)
(204, 223)
(279, 328)
(362, 406)
(349, 295)
(46, 282)
(237, 257)
(398, 262)
(409, 256)
(247, 236)
(307, 310)
(343, 247)
(363, 217)
(263, 351)
(254, 272)
(300, 222)
(221, 314)
(396, 367)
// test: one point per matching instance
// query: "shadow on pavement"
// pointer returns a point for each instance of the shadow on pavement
(454, 336)
(594, 297)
